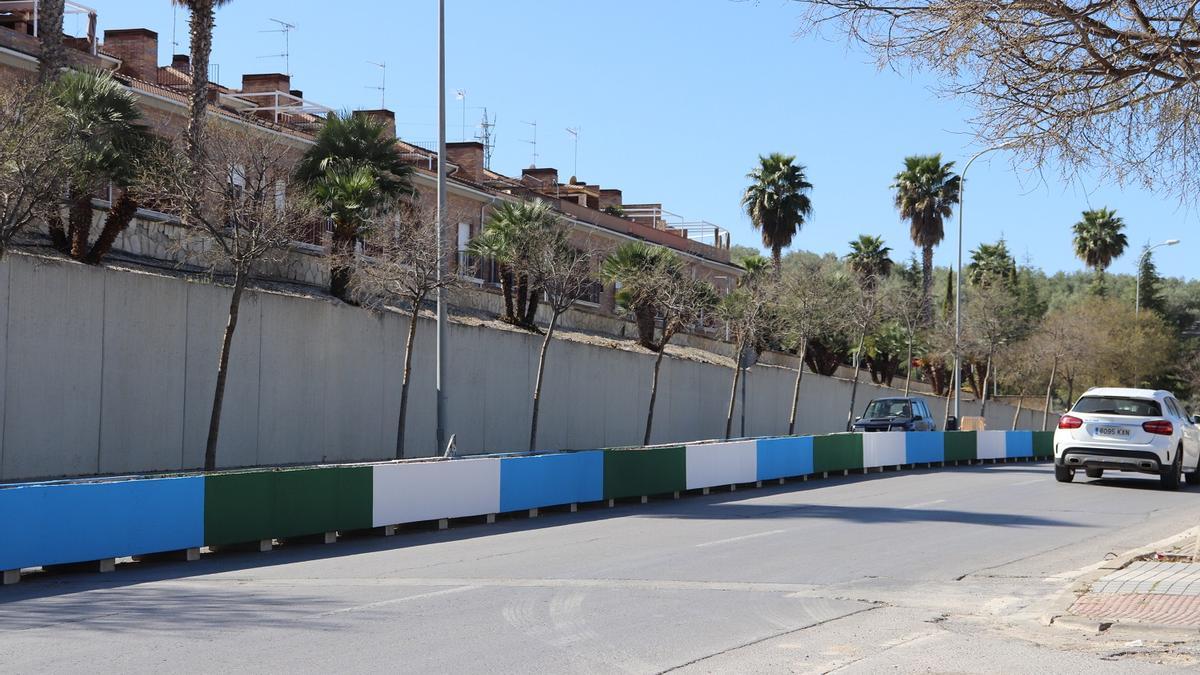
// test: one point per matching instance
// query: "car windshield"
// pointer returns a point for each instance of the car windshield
(888, 408)
(1118, 405)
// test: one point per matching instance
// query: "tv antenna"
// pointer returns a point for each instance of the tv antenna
(382, 88)
(533, 142)
(574, 131)
(285, 28)
(487, 137)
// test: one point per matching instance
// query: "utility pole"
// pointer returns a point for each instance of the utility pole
(439, 377)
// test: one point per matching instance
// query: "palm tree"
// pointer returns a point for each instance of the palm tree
(868, 258)
(992, 263)
(512, 232)
(201, 31)
(926, 191)
(50, 34)
(352, 169)
(1099, 240)
(777, 201)
(106, 144)
(636, 267)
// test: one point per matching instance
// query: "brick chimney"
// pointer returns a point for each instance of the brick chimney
(182, 63)
(540, 179)
(259, 82)
(384, 116)
(138, 50)
(468, 156)
(609, 197)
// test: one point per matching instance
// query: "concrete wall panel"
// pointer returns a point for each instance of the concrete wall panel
(784, 457)
(883, 448)
(990, 444)
(141, 421)
(923, 447)
(550, 480)
(354, 386)
(52, 380)
(292, 412)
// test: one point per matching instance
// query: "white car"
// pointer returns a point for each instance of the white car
(1140, 430)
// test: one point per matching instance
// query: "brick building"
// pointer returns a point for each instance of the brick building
(269, 101)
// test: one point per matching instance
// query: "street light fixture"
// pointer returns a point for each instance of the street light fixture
(1137, 293)
(962, 188)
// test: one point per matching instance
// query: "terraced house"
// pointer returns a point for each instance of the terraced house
(271, 103)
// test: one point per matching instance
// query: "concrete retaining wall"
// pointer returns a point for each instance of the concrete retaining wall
(65, 522)
(107, 370)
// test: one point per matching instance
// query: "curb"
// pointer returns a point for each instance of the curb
(1059, 613)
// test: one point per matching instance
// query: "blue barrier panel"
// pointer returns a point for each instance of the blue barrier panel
(924, 446)
(1018, 444)
(785, 457)
(53, 523)
(550, 480)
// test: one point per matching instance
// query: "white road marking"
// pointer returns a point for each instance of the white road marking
(1031, 481)
(923, 504)
(383, 603)
(741, 538)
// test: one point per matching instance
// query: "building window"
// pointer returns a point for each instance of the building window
(466, 263)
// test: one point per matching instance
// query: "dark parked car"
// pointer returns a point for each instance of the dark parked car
(896, 414)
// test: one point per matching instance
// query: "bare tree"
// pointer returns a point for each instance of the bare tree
(32, 144)
(1105, 83)
(992, 319)
(400, 263)
(565, 274)
(811, 303)
(907, 307)
(245, 218)
(863, 316)
(748, 314)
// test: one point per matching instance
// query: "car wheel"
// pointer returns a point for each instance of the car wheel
(1094, 473)
(1063, 474)
(1170, 478)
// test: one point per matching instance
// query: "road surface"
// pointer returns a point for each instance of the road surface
(941, 570)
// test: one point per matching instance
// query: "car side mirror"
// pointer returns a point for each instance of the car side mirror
(917, 418)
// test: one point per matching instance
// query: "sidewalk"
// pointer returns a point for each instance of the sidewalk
(1146, 592)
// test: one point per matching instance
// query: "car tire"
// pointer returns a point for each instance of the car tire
(1064, 474)
(1170, 478)
(1094, 473)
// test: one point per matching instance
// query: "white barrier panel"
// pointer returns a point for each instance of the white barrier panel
(991, 444)
(883, 448)
(713, 464)
(411, 492)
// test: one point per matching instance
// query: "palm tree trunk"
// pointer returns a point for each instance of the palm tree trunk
(926, 285)
(408, 352)
(796, 389)
(79, 229)
(535, 297)
(341, 249)
(653, 395)
(777, 259)
(854, 386)
(506, 287)
(644, 316)
(119, 216)
(50, 33)
(201, 28)
(737, 375)
(908, 367)
(58, 234)
(214, 421)
(522, 297)
(1049, 390)
(537, 385)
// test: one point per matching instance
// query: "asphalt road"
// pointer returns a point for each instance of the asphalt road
(923, 571)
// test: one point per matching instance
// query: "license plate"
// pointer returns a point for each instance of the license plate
(1119, 432)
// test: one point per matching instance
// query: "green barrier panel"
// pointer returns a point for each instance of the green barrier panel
(649, 471)
(960, 445)
(1043, 444)
(243, 507)
(837, 452)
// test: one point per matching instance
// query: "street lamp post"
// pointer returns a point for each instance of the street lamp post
(439, 376)
(962, 188)
(1137, 293)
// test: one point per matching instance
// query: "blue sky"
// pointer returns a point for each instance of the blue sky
(675, 99)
